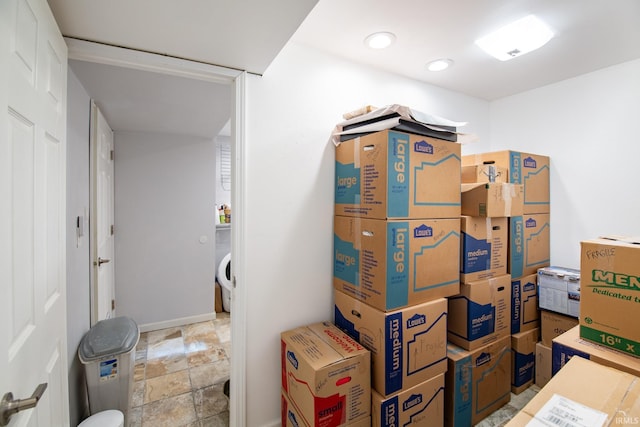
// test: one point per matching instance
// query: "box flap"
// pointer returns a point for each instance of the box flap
(316, 352)
(632, 240)
(337, 340)
(470, 186)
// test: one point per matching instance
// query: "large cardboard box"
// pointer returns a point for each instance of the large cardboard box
(524, 304)
(554, 324)
(477, 383)
(291, 416)
(408, 346)
(530, 170)
(569, 344)
(492, 199)
(523, 359)
(584, 394)
(543, 364)
(610, 300)
(391, 174)
(481, 313)
(421, 405)
(394, 264)
(559, 290)
(529, 244)
(326, 374)
(484, 173)
(483, 251)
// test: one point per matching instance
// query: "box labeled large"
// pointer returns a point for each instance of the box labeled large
(408, 346)
(326, 374)
(477, 383)
(481, 313)
(484, 173)
(530, 170)
(421, 405)
(392, 174)
(559, 290)
(610, 297)
(393, 264)
(523, 359)
(483, 248)
(524, 304)
(529, 244)
(291, 416)
(553, 324)
(492, 199)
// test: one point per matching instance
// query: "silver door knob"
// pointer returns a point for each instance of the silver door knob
(9, 406)
(101, 261)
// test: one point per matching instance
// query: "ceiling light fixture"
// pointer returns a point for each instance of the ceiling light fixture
(516, 39)
(380, 40)
(439, 64)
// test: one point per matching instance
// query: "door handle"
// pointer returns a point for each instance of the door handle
(9, 406)
(101, 261)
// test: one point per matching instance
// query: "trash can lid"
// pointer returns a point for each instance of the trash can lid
(109, 337)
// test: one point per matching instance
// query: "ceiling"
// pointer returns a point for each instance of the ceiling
(247, 35)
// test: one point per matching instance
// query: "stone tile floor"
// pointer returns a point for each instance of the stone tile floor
(179, 376)
(500, 417)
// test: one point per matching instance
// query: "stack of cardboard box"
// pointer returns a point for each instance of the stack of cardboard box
(396, 244)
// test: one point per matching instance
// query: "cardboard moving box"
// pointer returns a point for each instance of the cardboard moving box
(543, 364)
(326, 374)
(529, 244)
(524, 304)
(408, 346)
(610, 297)
(584, 394)
(291, 416)
(554, 324)
(484, 173)
(396, 263)
(523, 359)
(559, 290)
(492, 199)
(483, 251)
(392, 174)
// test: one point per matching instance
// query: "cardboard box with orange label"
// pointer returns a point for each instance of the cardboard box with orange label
(483, 251)
(291, 416)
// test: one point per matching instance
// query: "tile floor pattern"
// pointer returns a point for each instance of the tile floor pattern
(179, 376)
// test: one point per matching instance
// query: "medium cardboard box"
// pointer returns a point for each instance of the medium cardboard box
(554, 324)
(523, 359)
(477, 383)
(391, 174)
(492, 199)
(529, 244)
(408, 346)
(610, 301)
(326, 374)
(543, 364)
(569, 344)
(421, 405)
(530, 170)
(582, 386)
(484, 173)
(481, 313)
(483, 250)
(394, 264)
(559, 290)
(524, 304)
(291, 416)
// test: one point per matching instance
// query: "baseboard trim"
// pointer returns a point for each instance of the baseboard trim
(176, 322)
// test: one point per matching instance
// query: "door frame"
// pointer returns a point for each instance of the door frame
(130, 58)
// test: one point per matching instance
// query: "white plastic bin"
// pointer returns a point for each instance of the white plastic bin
(107, 352)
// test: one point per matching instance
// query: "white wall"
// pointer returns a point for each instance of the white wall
(78, 273)
(164, 199)
(586, 125)
(291, 111)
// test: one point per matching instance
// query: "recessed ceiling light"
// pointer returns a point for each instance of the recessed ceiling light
(516, 39)
(439, 64)
(379, 40)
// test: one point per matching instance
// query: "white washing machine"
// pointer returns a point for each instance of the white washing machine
(223, 264)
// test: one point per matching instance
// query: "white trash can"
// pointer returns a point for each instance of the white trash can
(107, 352)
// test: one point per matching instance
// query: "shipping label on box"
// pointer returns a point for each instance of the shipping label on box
(483, 250)
(523, 359)
(391, 174)
(481, 313)
(559, 290)
(393, 264)
(530, 170)
(543, 364)
(524, 304)
(492, 199)
(484, 173)
(529, 244)
(408, 346)
(554, 324)
(610, 297)
(326, 374)
(421, 405)
(477, 383)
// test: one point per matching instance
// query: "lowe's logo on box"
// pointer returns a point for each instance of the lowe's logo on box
(413, 400)
(483, 358)
(416, 320)
(292, 418)
(292, 359)
(423, 147)
(529, 162)
(422, 231)
(528, 287)
(530, 223)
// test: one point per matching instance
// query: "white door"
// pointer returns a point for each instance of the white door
(102, 215)
(33, 90)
